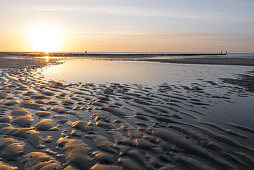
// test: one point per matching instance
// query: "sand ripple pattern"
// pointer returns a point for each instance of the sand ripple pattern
(54, 125)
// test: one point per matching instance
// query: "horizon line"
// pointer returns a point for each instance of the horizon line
(194, 52)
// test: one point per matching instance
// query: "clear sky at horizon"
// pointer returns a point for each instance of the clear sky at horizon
(129, 25)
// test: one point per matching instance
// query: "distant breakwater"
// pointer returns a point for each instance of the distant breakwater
(61, 54)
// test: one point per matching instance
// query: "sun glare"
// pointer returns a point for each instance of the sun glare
(45, 39)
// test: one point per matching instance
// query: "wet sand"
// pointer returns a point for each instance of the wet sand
(215, 61)
(8, 62)
(54, 125)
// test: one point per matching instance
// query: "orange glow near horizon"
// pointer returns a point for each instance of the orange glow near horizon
(57, 38)
(45, 39)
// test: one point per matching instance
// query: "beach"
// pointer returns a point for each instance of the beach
(126, 113)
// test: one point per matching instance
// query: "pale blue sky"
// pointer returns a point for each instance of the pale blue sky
(135, 25)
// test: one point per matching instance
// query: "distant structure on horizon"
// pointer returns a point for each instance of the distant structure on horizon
(224, 53)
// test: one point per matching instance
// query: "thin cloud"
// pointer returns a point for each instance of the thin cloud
(140, 12)
(113, 10)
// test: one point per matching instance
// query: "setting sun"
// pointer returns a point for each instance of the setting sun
(45, 39)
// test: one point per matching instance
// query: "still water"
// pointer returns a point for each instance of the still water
(150, 73)
(236, 109)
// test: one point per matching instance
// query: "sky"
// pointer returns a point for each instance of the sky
(127, 25)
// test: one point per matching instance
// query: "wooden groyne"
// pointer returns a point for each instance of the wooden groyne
(61, 54)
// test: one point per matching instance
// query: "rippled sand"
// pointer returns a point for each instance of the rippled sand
(54, 125)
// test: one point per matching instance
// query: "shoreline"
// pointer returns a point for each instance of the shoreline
(28, 60)
(210, 61)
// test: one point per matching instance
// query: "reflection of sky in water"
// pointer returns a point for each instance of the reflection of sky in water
(101, 71)
(236, 109)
